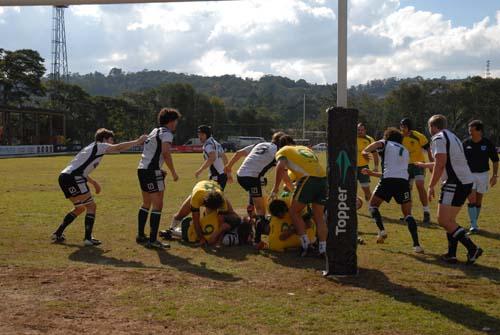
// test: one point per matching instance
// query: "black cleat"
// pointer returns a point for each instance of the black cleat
(471, 258)
(449, 259)
(166, 234)
(157, 245)
(91, 242)
(473, 231)
(58, 238)
(141, 239)
(427, 219)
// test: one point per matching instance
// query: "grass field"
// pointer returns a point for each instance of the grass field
(123, 288)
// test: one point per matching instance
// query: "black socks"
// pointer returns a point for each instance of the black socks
(68, 219)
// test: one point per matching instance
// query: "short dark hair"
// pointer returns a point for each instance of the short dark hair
(439, 121)
(103, 134)
(205, 129)
(276, 137)
(278, 208)
(362, 124)
(286, 140)
(167, 115)
(477, 124)
(393, 134)
(213, 200)
(407, 123)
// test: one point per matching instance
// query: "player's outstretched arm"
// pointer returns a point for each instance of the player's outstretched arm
(281, 168)
(423, 165)
(375, 161)
(372, 148)
(114, 148)
(372, 173)
(236, 157)
(167, 157)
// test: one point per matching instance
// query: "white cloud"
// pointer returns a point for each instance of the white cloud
(294, 38)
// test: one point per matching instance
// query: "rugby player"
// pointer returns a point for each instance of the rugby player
(416, 143)
(363, 141)
(152, 177)
(208, 194)
(479, 151)
(450, 166)
(311, 189)
(214, 157)
(393, 183)
(259, 158)
(73, 181)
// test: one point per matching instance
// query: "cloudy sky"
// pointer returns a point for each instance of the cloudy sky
(293, 38)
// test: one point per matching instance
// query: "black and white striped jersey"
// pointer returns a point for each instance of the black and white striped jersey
(87, 159)
(395, 160)
(211, 145)
(260, 158)
(457, 169)
(152, 158)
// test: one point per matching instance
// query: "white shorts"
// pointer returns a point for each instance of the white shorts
(481, 182)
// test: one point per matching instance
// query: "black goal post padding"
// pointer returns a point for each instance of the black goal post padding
(342, 218)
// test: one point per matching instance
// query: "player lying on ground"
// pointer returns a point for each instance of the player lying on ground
(231, 231)
(152, 177)
(450, 166)
(259, 158)
(311, 188)
(393, 183)
(73, 181)
(208, 194)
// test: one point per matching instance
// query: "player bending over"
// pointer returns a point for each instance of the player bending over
(311, 188)
(393, 183)
(259, 158)
(208, 194)
(73, 181)
(152, 177)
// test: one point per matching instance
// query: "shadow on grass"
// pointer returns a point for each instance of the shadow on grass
(375, 280)
(386, 219)
(488, 234)
(183, 265)
(291, 258)
(476, 270)
(93, 255)
(237, 253)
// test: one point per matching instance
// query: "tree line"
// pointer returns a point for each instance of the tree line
(128, 102)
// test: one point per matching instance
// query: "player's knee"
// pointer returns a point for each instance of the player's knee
(78, 210)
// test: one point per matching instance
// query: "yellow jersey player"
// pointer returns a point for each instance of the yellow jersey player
(363, 141)
(208, 194)
(311, 188)
(416, 143)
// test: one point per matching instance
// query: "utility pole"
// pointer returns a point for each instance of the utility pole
(304, 118)
(59, 66)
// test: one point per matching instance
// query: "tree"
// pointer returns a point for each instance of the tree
(21, 75)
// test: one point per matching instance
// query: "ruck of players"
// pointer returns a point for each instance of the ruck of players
(286, 187)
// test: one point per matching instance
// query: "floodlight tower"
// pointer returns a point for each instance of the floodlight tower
(59, 66)
(488, 72)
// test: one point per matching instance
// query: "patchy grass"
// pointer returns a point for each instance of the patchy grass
(123, 288)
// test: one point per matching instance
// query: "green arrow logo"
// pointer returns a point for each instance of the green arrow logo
(343, 163)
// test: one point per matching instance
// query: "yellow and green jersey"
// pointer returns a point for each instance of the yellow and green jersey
(302, 161)
(201, 189)
(415, 143)
(363, 142)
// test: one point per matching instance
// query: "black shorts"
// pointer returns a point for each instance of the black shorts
(151, 181)
(73, 186)
(252, 185)
(221, 179)
(454, 194)
(396, 188)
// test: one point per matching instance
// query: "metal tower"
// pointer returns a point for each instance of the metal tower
(59, 65)
(488, 72)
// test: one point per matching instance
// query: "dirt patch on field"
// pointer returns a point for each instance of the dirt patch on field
(77, 300)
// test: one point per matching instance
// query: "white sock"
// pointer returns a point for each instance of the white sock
(322, 247)
(304, 240)
(426, 209)
(174, 223)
